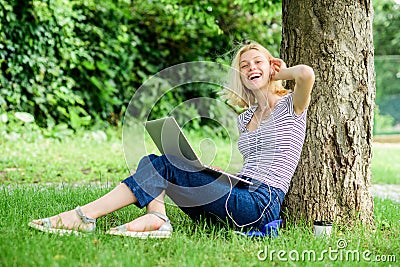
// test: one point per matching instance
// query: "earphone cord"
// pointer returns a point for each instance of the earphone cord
(231, 188)
(226, 206)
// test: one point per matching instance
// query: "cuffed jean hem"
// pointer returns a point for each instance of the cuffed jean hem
(143, 199)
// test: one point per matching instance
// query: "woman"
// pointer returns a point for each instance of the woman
(272, 132)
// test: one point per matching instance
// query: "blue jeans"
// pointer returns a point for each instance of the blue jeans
(201, 194)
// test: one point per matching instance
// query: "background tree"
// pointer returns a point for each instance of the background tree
(333, 177)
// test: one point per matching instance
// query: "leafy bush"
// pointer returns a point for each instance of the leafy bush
(387, 76)
(387, 58)
(386, 26)
(383, 123)
(79, 62)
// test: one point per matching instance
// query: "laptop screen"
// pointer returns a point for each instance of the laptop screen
(170, 140)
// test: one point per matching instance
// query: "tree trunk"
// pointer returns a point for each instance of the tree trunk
(333, 177)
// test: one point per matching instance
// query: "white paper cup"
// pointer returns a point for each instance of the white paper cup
(322, 228)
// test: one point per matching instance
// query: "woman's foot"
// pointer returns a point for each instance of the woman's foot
(147, 222)
(151, 225)
(65, 223)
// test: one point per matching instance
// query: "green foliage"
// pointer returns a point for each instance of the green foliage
(388, 87)
(78, 62)
(382, 123)
(387, 76)
(386, 27)
(23, 122)
(34, 55)
(387, 58)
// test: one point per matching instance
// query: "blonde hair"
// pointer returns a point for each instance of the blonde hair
(236, 93)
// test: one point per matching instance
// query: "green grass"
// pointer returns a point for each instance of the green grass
(85, 159)
(27, 166)
(79, 159)
(192, 244)
(386, 164)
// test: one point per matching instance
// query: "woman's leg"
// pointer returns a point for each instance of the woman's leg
(198, 193)
(243, 207)
(114, 200)
(149, 222)
(157, 174)
(117, 198)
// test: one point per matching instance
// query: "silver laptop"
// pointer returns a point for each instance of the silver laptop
(170, 140)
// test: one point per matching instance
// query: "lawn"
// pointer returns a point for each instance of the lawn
(191, 245)
(386, 163)
(41, 177)
(90, 158)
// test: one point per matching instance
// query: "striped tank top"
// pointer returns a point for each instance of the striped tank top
(272, 151)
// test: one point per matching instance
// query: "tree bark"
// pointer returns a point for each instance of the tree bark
(333, 176)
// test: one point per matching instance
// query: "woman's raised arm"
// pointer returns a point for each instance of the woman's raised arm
(304, 78)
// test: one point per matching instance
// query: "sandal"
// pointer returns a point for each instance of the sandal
(164, 231)
(48, 228)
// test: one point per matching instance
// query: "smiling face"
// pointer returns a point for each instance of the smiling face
(243, 88)
(255, 70)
